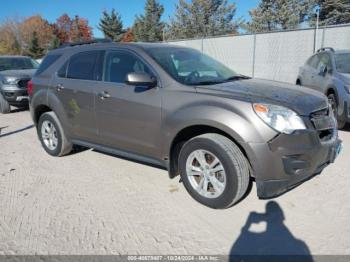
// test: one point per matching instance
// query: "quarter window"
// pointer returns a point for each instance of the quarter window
(82, 66)
(118, 64)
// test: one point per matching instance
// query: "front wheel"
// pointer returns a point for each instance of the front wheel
(5, 107)
(52, 136)
(214, 170)
(334, 105)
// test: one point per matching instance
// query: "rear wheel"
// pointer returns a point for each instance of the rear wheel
(52, 136)
(334, 104)
(5, 107)
(214, 170)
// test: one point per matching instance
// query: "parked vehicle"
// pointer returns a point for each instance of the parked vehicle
(15, 73)
(328, 71)
(180, 109)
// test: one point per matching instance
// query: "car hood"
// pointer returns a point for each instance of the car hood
(300, 99)
(345, 78)
(26, 73)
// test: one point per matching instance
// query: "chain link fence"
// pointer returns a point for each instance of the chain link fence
(276, 55)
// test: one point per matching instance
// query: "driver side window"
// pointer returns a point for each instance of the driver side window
(325, 62)
(118, 64)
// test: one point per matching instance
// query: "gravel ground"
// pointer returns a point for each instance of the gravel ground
(93, 203)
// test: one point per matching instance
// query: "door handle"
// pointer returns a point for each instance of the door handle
(103, 95)
(59, 87)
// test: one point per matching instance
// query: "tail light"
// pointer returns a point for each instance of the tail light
(30, 88)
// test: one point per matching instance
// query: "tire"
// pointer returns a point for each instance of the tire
(5, 107)
(333, 101)
(234, 166)
(61, 147)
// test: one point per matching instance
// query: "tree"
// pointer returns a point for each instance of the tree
(55, 43)
(273, 15)
(332, 12)
(10, 38)
(39, 25)
(111, 25)
(128, 36)
(35, 50)
(148, 27)
(200, 18)
(63, 25)
(80, 31)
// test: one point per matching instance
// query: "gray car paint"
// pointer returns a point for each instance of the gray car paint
(144, 125)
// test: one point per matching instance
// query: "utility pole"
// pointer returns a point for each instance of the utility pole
(316, 30)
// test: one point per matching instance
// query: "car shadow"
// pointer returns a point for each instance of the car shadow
(276, 243)
(19, 109)
(14, 132)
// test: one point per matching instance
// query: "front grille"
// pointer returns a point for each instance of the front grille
(23, 83)
(320, 113)
(323, 121)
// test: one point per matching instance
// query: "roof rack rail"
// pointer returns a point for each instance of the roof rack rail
(95, 41)
(325, 49)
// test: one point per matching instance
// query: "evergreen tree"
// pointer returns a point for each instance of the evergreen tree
(111, 25)
(55, 43)
(35, 50)
(279, 15)
(332, 12)
(148, 27)
(201, 18)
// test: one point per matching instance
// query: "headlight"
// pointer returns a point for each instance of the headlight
(347, 88)
(279, 118)
(9, 80)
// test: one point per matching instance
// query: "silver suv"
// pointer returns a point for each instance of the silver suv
(328, 71)
(179, 109)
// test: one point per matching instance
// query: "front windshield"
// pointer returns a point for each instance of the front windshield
(191, 67)
(342, 62)
(17, 63)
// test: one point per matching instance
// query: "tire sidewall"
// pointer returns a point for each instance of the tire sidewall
(340, 123)
(4, 105)
(57, 151)
(231, 189)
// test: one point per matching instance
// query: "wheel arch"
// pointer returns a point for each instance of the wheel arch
(189, 132)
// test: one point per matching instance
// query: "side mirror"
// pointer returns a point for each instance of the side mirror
(141, 79)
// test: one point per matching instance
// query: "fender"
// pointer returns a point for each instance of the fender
(235, 124)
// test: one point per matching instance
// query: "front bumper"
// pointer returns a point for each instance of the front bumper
(286, 161)
(16, 96)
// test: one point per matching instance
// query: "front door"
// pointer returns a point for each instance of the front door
(128, 117)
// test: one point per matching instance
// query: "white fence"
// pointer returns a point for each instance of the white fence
(276, 55)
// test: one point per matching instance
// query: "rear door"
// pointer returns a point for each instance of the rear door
(128, 117)
(74, 85)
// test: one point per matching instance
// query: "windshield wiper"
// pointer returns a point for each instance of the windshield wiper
(205, 83)
(236, 77)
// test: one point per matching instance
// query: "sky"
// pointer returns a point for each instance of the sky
(92, 9)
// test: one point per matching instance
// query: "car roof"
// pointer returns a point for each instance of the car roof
(13, 56)
(92, 46)
(342, 51)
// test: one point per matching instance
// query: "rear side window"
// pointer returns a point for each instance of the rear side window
(46, 63)
(82, 65)
(63, 70)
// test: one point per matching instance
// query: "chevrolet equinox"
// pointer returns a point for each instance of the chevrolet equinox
(179, 109)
